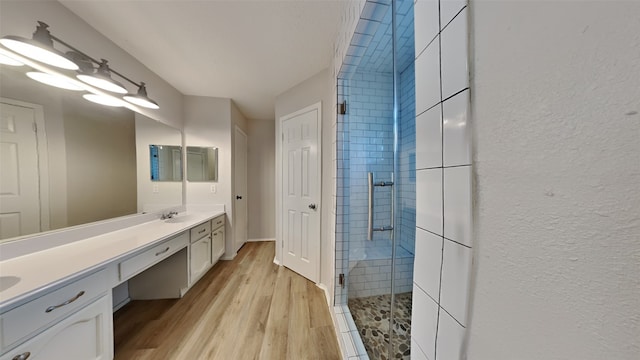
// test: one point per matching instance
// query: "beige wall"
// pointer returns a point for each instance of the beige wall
(317, 88)
(101, 162)
(261, 179)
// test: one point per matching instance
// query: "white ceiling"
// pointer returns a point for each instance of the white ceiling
(249, 51)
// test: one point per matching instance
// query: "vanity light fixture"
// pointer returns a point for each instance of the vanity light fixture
(40, 48)
(103, 100)
(141, 98)
(102, 79)
(6, 60)
(54, 80)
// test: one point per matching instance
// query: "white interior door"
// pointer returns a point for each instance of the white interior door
(301, 193)
(19, 175)
(240, 187)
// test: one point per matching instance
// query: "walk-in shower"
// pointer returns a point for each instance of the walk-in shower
(376, 178)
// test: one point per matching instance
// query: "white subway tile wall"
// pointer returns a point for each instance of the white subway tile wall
(444, 181)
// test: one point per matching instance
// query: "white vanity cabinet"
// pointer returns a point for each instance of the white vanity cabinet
(73, 322)
(200, 251)
(200, 257)
(84, 335)
(66, 312)
(217, 249)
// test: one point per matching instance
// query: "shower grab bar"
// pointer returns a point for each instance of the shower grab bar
(372, 185)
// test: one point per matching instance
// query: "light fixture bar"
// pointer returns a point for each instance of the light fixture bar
(41, 48)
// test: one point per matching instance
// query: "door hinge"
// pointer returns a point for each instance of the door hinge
(341, 280)
(342, 108)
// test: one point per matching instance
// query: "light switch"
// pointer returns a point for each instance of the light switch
(155, 188)
(213, 189)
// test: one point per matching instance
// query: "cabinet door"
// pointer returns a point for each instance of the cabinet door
(85, 335)
(200, 257)
(218, 244)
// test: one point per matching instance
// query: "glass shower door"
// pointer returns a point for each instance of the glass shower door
(377, 178)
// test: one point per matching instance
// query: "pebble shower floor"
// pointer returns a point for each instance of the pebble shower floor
(371, 315)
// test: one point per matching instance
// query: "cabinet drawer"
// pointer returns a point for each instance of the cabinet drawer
(217, 222)
(136, 264)
(198, 232)
(84, 335)
(18, 323)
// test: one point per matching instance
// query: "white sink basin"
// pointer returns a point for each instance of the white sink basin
(8, 281)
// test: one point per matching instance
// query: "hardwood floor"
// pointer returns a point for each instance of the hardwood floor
(247, 308)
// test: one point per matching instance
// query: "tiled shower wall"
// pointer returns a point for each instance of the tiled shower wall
(406, 214)
(370, 145)
(443, 188)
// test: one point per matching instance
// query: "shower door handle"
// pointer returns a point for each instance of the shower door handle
(370, 227)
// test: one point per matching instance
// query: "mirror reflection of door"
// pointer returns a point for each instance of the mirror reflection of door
(195, 166)
(20, 195)
(202, 164)
(166, 162)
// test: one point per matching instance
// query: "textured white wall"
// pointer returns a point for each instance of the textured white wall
(557, 151)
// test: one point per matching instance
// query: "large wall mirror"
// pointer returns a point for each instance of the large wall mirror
(65, 161)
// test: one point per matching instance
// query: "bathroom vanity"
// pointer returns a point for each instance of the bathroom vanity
(56, 303)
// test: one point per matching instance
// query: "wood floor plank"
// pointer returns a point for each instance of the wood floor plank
(247, 308)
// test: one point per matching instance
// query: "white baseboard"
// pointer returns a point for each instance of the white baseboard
(225, 257)
(324, 288)
(276, 261)
(258, 240)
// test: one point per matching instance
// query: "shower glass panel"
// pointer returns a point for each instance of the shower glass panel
(376, 147)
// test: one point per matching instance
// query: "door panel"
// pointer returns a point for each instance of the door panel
(19, 184)
(301, 173)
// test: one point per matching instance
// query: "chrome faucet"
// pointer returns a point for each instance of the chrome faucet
(168, 215)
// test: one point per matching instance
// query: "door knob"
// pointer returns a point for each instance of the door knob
(312, 206)
(238, 197)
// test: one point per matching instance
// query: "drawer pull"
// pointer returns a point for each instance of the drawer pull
(215, 234)
(163, 251)
(53, 307)
(23, 356)
(201, 231)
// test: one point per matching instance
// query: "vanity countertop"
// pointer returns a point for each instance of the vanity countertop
(48, 269)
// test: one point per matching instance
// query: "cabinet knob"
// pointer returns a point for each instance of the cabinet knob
(23, 356)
